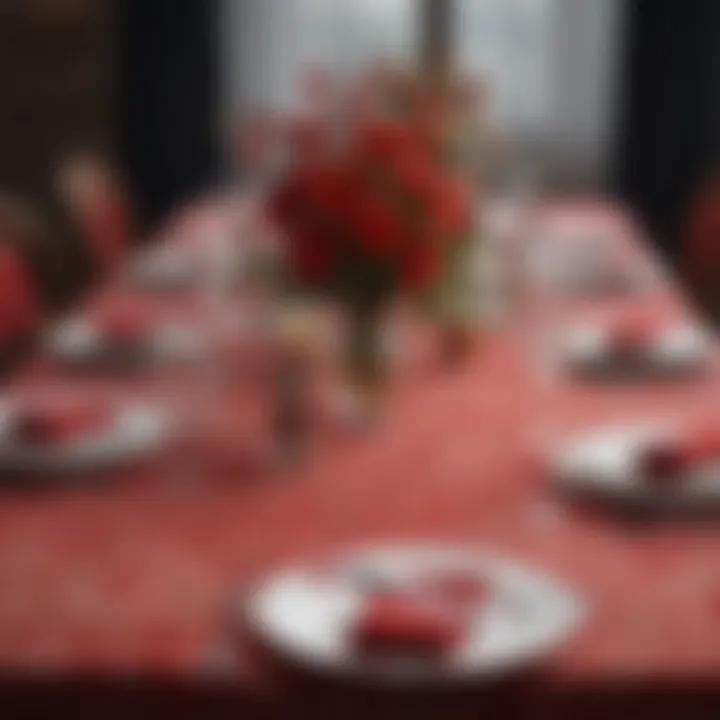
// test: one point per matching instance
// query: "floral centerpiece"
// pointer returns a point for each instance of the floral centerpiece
(369, 208)
(372, 190)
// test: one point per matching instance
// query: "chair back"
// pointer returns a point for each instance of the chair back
(19, 299)
(100, 210)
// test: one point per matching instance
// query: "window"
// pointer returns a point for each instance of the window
(510, 42)
(551, 69)
(268, 41)
(550, 63)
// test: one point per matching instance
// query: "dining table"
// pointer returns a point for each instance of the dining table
(123, 593)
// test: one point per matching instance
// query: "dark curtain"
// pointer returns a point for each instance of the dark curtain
(670, 109)
(169, 71)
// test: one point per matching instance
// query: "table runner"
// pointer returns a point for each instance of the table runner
(135, 577)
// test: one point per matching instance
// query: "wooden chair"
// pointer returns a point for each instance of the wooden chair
(97, 205)
(43, 239)
(20, 307)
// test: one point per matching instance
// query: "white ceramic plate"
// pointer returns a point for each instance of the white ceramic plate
(77, 341)
(135, 431)
(679, 350)
(604, 463)
(308, 617)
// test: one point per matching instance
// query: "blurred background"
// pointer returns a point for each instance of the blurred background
(617, 95)
(599, 99)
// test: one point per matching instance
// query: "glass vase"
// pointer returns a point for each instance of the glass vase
(365, 362)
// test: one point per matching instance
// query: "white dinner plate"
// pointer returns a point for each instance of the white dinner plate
(135, 430)
(680, 350)
(604, 463)
(307, 617)
(79, 342)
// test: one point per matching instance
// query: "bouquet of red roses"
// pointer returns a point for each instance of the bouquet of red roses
(367, 212)
(367, 207)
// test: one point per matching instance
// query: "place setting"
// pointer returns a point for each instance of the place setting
(412, 615)
(125, 338)
(69, 434)
(664, 465)
(633, 344)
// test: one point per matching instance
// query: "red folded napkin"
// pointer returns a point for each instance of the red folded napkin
(634, 331)
(398, 624)
(59, 423)
(671, 458)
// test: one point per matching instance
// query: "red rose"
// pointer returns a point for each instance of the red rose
(315, 182)
(285, 202)
(453, 209)
(416, 174)
(376, 183)
(377, 225)
(309, 257)
(382, 140)
(325, 197)
(419, 267)
(345, 194)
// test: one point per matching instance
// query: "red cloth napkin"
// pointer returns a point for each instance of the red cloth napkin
(634, 331)
(55, 424)
(401, 624)
(673, 457)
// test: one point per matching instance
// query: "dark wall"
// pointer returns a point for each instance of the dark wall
(169, 99)
(137, 79)
(670, 106)
(56, 88)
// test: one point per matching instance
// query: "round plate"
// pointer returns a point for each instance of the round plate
(604, 463)
(135, 431)
(78, 342)
(307, 616)
(679, 351)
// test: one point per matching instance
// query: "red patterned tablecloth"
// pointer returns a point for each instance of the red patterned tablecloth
(135, 576)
